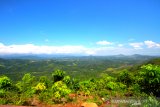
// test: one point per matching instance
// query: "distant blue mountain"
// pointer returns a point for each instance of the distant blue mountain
(49, 56)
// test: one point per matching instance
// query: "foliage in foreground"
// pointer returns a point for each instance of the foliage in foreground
(58, 90)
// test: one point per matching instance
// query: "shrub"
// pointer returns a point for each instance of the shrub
(87, 87)
(3, 101)
(46, 96)
(58, 75)
(60, 89)
(40, 87)
(112, 86)
(135, 88)
(149, 79)
(45, 80)
(26, 83)
(5, 82)
(75, 84)
(107, 78)
(126, 78)
(67, 80)
(2, 93)
(151, 102)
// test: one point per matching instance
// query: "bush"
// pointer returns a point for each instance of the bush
(60, 90)
(67, 80)
(112, 86)
(126, 78)
(75, 86)
(40, 87)
(135, 88)
(46, 96)
(45, 80)
(3, 101)
(151, 102)
(149, 79)
(26, 83)
(107, 78)
(87, 87)
(5, 82)
(2, 93)
(58, 75)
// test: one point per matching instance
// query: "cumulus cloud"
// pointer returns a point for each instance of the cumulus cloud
(81, 50)
(120, 45)
(1, 45)
(34, 49)
(136, 45)
(68, 49)
(103, 42)
(112, 51)
(151, 44)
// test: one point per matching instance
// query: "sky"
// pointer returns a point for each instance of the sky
(80, 27)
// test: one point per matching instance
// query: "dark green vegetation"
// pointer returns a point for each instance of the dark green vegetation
(53, 80)
(78, 67)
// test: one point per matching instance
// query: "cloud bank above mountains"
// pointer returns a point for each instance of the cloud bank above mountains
(102, 48)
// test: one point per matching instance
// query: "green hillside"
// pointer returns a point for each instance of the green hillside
(72, 80)
(78, 67)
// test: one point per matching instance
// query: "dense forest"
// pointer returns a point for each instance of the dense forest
(61, 80)
(80, 67)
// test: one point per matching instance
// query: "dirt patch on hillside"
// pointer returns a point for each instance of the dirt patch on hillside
(80, 99)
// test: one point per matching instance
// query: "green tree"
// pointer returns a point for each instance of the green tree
(40, 87)
(60, 90)
(45, 80)
(151, 101)
(87, 87)
(149, 79)
(26, 83)
(5, 82)
(58, 75)
(126, 78)
(67, 80)
(26, 89)
(75, 84)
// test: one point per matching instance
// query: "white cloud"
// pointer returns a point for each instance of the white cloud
(1, 45)
(103, 42)
(111, 51)
(151, 44)
(136, 45)
(79, 49)
(120, 45)
(34, 49)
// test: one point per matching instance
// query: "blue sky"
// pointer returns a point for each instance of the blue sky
(87, 27)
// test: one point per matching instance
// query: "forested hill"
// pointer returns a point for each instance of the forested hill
(77, 66)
